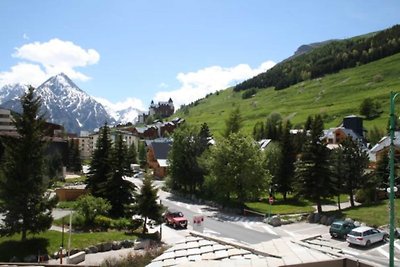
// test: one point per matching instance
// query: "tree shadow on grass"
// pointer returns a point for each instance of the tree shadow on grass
(18, 250)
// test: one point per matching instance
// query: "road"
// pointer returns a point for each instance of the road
(218, 226)
(227, 226)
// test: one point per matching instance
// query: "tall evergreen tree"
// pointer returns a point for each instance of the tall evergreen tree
(286, 164)
(355, 161)
(312, 170)
(382, 171)
(142, 154)
(101, 165)
(233, 123)
(117, 190)
(338, 172)
(25, 204)
(146, 203)
(132, 154)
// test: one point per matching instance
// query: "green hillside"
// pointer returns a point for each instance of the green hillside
(334, 96)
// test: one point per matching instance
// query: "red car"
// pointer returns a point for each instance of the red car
(176, 219)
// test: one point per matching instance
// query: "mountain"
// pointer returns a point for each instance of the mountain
(64, 103)
(11, 92)
(327, 58)
(122, 114)
(332, 96)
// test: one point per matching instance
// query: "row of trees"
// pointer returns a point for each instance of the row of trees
(25, 169)
(301, 164)
(328, 58)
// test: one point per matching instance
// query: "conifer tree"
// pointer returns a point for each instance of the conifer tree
(118, 191)
(132, 154)
(25, 204)
(142, 154)
(233, 123)
(100, 166)
(286, 162)
(312, 171)
(146, 203)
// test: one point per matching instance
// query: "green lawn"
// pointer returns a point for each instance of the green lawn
(290, 206)
(374, 214)
(50, 241)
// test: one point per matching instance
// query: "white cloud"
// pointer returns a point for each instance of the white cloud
(25, 73)
(25, 36)
(195, 85)
(48, 59)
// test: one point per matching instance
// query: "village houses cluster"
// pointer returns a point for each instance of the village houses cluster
(157, 141)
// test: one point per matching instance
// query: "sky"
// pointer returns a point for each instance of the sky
(128, 52)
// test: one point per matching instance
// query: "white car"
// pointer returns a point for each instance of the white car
(365, 236)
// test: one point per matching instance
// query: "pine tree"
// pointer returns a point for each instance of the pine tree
(355, 161)
(234, 123)
(286, 164)
(132, 154)
(119, 192)
(312, 171)
(100, 166)
(25, 204)
(142, 154)
(147, 205)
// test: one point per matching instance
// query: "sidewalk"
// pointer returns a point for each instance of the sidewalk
(331, 207)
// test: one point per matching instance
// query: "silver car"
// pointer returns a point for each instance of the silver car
(365, 236)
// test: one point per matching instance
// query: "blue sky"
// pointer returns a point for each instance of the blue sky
(130, 52)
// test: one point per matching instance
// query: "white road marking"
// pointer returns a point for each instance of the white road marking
(350, 252)
(189, 207)
(246, 225)
(290, 233)
(209, 231)
(397, 245)
(269, 230)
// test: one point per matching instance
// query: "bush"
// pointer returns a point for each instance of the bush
(365, 196)
(249, 93)
(89, 207)
(103, 222)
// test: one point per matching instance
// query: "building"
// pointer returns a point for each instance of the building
(159, 110)
(127, 137)
(6, 121)
(157, 155)
(352, 126)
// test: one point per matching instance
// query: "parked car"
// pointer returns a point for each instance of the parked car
(365, 236)
(175, 219)
(340, 229)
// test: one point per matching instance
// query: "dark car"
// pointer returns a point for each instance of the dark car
(175, 219)
(341, 229)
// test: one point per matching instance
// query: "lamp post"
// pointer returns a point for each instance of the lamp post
(391, 180)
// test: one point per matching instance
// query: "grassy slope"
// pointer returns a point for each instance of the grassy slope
(335, 96)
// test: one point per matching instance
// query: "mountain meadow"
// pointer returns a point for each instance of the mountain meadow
(334, 96)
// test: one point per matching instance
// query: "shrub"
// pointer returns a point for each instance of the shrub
(103, 222)
(249, 93)
(89, 207)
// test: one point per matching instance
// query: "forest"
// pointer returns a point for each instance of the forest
(329, 58)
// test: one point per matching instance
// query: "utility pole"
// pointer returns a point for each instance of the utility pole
(391, 180)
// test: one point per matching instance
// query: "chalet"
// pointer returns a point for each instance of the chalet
(383, 146)
(157, 155)
(352, 127)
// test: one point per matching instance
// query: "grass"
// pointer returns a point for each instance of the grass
(372, 214)
(50, 241)
(280, 206)
(333, 96)
(66, 205)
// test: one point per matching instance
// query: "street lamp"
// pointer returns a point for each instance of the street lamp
(391, 180)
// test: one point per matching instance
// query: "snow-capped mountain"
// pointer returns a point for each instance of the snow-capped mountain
(120, 114)
(12, 92)
(64, 103)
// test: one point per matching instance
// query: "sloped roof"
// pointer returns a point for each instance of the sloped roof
(160, 147)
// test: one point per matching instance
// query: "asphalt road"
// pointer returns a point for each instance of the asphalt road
(216, 226)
